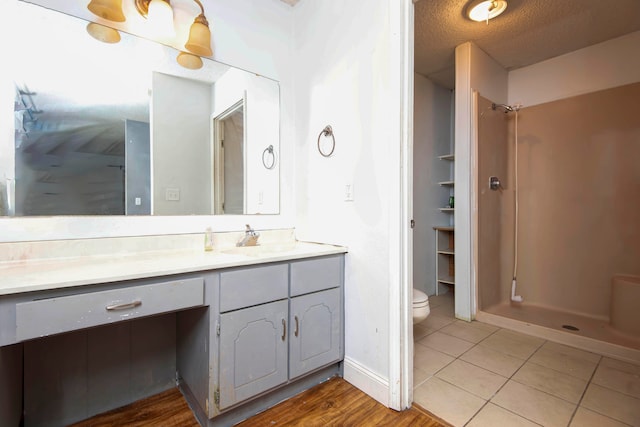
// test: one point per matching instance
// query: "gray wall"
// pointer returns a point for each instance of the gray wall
(137, 168)
(431, 138)
(181, 155)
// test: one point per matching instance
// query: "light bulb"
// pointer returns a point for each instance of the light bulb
(160, 17)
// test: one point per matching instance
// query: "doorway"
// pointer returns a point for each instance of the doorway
(229, 161)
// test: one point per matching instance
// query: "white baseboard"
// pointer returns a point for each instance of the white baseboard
(366, 380)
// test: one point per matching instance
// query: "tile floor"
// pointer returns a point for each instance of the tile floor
(475, 374)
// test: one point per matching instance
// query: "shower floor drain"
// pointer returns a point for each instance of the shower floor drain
(570, 327)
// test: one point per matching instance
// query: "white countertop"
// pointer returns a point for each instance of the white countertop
(31, 275)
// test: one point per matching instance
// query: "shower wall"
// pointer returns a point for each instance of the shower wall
(493, 215)
(579, 185)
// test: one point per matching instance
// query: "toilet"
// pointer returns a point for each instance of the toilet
(420, 306)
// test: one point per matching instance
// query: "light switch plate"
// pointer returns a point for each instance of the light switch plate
(348, 192)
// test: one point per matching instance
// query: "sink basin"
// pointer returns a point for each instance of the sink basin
(261, 250)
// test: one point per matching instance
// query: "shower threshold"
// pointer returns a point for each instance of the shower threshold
(592, 334)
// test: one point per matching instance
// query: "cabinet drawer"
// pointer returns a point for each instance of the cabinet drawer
(316, 274)
(252, 286)
(55, 315)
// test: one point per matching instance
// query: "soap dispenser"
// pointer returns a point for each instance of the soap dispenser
(208, 240)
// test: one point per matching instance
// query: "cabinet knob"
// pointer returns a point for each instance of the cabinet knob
(284, 329)
(297, 326)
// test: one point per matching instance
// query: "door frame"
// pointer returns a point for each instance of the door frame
(400, 309)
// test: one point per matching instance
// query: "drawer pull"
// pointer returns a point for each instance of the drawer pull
(297, 326)
(124, 306)
(284, 329)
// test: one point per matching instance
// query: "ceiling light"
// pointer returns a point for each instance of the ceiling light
(199, 41)
(159, 14)
(483, 10)
(110, 10)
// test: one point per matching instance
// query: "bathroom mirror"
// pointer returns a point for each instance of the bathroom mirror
(123, 129)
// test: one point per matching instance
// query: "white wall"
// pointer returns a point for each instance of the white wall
(347, 76)
(255, 35)
(475, 70)
(605, 65)
(431, 138)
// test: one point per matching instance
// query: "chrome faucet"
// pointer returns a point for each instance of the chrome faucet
(250, 237)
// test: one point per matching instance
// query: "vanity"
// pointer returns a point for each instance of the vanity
(237, 329)
(106, 293)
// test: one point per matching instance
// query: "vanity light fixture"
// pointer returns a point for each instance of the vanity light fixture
(199, 41)
(483, 10)
(159, 14)
(110, 10)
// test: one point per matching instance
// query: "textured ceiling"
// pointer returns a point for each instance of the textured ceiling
(529, 31)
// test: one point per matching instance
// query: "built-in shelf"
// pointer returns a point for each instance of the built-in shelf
(448, 184)
(446, 251)
(444, 244)
(445, 256)
(448, 280)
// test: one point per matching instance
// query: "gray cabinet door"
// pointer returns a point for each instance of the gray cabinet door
(253, 351)
(315, 335)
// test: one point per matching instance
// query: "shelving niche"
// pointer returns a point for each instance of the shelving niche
(445, 256)
(444, 236)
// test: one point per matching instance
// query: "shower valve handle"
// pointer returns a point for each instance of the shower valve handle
(494, 183)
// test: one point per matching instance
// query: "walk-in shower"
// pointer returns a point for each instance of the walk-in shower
(561, 224)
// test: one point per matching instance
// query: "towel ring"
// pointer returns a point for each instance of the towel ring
(327, 131)
(266, 152)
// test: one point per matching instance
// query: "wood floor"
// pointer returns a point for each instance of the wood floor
(333, 403)
(338, 403)
(168, 409)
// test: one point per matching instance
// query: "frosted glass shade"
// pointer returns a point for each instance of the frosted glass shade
(160, 17)
(102, 33)
(483, 10)
(187, 60)
(199, 41)
(110, 10)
